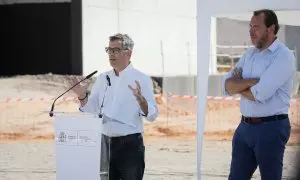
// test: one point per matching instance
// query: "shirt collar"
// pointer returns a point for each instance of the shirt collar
(274, 45)
(124, 71)
(272, 48)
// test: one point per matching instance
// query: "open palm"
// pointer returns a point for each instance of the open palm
(136, 91)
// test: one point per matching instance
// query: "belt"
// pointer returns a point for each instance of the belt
(260, 120)
(124, 139)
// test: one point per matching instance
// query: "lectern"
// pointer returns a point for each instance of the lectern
(78, 146)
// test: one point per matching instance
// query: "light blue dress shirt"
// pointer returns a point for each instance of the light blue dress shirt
(275, 67)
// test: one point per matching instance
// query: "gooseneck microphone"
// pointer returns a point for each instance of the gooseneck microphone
(87, 77)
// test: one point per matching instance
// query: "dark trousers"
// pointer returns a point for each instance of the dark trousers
(123, 157)
(260, 145)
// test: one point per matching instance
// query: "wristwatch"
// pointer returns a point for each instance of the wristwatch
(86, 95)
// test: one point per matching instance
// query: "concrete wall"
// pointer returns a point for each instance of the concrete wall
(165, 37)
(292, 34)
(163, 34)
(187, 85)
(235, 32)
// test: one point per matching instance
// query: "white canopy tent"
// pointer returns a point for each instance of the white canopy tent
(288, 12)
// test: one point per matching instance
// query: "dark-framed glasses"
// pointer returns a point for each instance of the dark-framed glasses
(113, 50)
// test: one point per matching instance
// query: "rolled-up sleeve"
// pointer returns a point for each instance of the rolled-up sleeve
(281, 70)
(239, 64)
(147, 92)
(227, 76)
(92, 105)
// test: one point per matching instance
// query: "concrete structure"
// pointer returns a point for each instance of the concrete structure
(165, 36)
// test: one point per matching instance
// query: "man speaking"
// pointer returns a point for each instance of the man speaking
(122, 97)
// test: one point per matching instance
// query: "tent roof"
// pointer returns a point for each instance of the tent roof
(284, 17)
(287, 10)
(240, 6)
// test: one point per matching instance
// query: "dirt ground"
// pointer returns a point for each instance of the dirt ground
(24, 123)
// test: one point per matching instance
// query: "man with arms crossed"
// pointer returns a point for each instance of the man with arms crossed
(263, 77)
(123, 96)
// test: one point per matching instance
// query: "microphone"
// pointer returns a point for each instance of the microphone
(108, 80)
(90, 75)
(87, 77)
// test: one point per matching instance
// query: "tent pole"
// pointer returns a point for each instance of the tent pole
(203, 61)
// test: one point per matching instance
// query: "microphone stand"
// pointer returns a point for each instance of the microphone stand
(52, 107)
(102, 104)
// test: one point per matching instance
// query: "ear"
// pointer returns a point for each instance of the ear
(129, 53)
(271, 28)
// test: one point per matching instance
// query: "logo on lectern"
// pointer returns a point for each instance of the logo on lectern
(62, 137)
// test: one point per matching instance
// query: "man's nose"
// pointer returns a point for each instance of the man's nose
(251, 31)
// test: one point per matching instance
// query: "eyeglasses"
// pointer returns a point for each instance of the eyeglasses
(113, 50)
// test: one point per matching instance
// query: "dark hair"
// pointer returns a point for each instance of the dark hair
(270, 18)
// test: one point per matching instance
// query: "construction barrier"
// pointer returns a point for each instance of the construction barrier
(27, 118)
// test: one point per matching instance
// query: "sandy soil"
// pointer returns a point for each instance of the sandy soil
(165, 159)
(26, 133)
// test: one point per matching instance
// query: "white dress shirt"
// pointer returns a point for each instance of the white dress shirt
(275, 67)
(121, 111)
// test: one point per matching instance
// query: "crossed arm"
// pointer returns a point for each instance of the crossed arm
(236, 85)
(264, 88)
(260, 90)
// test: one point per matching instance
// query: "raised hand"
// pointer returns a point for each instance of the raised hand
(80, 89)
(137, 91)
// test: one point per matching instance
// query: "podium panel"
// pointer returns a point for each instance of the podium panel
(78, 146)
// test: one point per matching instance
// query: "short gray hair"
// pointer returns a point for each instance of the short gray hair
(126, 40)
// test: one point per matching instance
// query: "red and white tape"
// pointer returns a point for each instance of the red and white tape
(46, 99)
(214, 97)
(35, 99)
